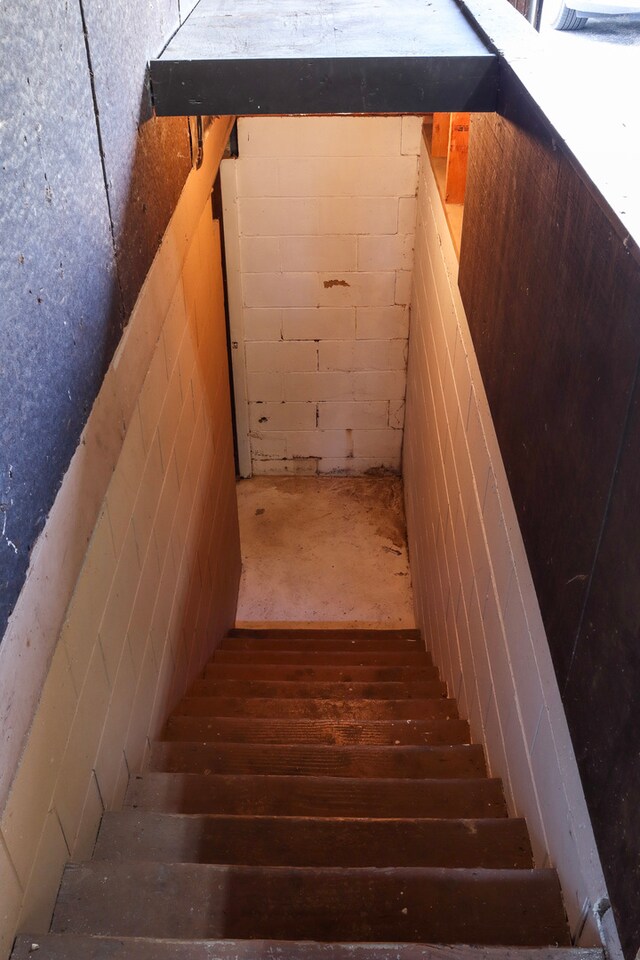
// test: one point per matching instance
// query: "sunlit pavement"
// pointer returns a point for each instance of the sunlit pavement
(602, 63)
(591, 80)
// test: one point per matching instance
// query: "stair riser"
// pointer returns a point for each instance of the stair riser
(323, 633)
(511, 907)
(303, 646)
(311, 658)
(340, 711)
(290, 760)
(307, 842)
(346, 674)
(316, 796)
(327, 690)
(234, 730)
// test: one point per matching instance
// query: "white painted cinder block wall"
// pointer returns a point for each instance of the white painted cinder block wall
(319, 227)
(475, 600)
(135, 576)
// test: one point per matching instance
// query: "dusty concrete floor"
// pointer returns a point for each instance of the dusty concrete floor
(324, 549)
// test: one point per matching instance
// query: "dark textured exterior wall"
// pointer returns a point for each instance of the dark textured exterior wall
(551, 286)
(88, 182)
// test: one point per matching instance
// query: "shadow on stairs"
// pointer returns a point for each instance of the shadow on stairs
(315, 797)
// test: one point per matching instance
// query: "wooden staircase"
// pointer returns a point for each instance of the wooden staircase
(315, 797)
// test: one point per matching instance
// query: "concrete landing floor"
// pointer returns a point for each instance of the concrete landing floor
(324, 549)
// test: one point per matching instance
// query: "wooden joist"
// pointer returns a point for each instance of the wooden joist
(457, 153)
(440, 134)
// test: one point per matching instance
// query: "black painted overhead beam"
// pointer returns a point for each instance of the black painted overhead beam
(324, 56)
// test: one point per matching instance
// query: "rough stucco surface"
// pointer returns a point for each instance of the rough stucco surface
(65, 294)
(59, 306)
(146, 160)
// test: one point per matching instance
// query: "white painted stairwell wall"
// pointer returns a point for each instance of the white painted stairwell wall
(135, 577)
(475, 599)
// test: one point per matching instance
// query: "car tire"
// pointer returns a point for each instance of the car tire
(564, 18)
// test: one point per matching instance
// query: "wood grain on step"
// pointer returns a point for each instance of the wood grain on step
(291, 796)
(274, 671)
(319, 689)
(340, 710)
(516, 907)
(315, 760)
(262, 730)
(323, 633)
(328, 658)
(328, 645)
(308, 841)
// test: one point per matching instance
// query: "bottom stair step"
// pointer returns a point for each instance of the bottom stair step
(305, 841)
(508, 907)
(53, 946)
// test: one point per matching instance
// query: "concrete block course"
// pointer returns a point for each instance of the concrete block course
(143, 604)
(474, 593)
(281, 356)
(326, 213)
(319, 323)
(319, 137)
(366, 415)
(382, 323)
(282, 416)
(362, 355)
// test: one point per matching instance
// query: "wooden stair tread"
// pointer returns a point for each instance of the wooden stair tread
(343, 674)
(319, 760)
(294, 644)
(323, 633)
(55, 946)
(329, 658)
(320, 689)
(316, 796)
(313, 841)
(326, 904)
(315, 787)
(339, 710)
(268, 730)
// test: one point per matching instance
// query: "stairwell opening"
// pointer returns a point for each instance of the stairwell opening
(158, 587)
(337, 268)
